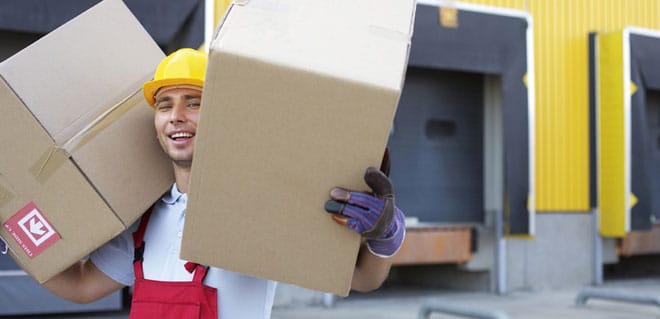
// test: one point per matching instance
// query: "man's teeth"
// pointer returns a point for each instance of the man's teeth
(182, 134)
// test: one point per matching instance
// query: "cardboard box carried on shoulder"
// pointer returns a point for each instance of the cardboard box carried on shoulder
(80, 161)
(300, 96)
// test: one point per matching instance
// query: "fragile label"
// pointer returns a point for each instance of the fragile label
(31, 230)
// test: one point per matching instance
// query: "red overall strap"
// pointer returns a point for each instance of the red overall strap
(199, 271)
(138, 236)
(138, 243)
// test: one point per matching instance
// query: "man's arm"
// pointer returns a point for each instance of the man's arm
(370, 271)
(377, 219)
(83, 282)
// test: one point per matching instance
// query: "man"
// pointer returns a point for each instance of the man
(166, 286)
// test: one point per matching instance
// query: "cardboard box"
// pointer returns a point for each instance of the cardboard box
(299, 97)
(80, 161)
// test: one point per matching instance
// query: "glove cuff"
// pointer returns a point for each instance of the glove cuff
(388, 247)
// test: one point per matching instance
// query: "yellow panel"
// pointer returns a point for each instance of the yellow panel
(511, 4)
(562, 106)
(561, 30)
(220, 8)
(611, 168)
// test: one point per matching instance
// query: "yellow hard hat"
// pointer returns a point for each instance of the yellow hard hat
(183, 67)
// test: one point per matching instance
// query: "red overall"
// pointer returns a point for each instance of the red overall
(168, 299)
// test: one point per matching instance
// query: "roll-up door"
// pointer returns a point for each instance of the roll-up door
(436, 146)
(452, 51)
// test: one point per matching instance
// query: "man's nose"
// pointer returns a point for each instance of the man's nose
(178, 113)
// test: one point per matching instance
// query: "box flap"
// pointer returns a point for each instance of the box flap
(83, 83)
(124, 161)
(69, 76)
(356, 40)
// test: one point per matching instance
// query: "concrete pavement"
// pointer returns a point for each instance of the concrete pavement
(400, 303)
(551, 304)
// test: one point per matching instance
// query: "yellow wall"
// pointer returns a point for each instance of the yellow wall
(220, 8)
(561, 29)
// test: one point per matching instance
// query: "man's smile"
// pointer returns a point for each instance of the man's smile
(181, 136)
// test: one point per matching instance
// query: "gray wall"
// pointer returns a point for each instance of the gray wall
(559, 256)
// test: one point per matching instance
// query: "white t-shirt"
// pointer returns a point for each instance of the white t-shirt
(239, 296)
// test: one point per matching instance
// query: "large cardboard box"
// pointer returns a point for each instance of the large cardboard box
(79, 161)
(300, 96)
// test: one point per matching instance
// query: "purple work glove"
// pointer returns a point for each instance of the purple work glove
(375, 217)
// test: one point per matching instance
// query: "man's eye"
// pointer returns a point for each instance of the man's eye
(194, 105)
(164, 107)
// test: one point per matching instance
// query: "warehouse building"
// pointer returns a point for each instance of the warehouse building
(523, 149)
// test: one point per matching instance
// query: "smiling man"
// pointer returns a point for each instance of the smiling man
(176, 118)
(147, 254)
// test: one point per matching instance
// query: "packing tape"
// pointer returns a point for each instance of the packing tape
(55, 156)
(48, 163)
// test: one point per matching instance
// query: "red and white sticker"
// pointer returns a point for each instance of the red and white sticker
(31, 230)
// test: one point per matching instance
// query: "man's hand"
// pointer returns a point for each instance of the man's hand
(3, 246)
(375, 217)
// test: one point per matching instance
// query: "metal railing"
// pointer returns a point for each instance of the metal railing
(460, 311)
(615, 295)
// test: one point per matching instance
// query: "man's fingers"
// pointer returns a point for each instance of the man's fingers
(340, 194)
(369, 215)
(333, 206)
(379, 182)
(341, 220)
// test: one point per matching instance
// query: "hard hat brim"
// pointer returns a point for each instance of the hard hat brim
(150, 88)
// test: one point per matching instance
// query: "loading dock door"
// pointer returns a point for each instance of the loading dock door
(436, 146)
(457, 37)
(653, 142)
(645, 118)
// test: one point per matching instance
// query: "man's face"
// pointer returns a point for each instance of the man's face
(176, 118)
